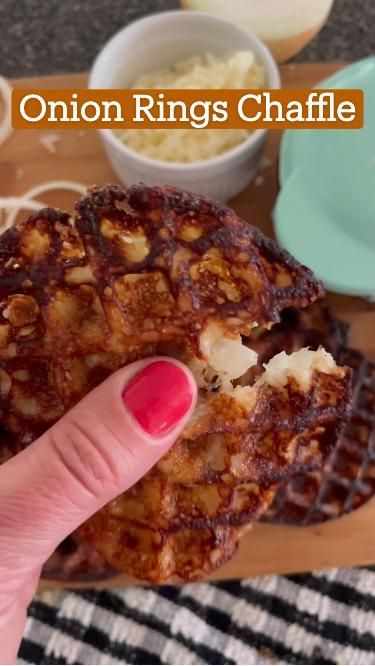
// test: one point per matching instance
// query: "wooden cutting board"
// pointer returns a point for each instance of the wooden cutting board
(267, 549)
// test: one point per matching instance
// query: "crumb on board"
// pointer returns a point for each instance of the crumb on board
(265, 162)
(49, 597)
(259, 180)
(49, 141)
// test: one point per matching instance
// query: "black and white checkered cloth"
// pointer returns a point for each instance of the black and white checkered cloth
(318, 618)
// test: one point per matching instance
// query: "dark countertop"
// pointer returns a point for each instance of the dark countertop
(47, 36)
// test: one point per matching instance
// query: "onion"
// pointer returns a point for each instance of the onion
(39, 189)
(299, 365)
(6, 124)
(17, 203)
(286, 26)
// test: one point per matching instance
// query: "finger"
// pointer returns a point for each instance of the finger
(14, 600)
(96, 451)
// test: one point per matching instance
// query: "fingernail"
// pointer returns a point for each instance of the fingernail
(158, 397)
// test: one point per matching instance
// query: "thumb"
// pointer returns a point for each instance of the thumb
(96, 451)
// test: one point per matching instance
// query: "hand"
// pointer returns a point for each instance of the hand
(96, 451)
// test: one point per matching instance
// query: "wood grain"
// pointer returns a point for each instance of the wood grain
(266, 549)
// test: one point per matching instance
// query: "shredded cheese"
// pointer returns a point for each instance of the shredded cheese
(209, 71)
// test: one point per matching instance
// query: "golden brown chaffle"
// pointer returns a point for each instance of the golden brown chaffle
(346, 480)
(149, 271)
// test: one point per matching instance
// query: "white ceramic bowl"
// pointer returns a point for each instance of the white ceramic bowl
(160, 40)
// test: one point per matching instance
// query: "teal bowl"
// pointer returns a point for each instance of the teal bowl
(325, 212)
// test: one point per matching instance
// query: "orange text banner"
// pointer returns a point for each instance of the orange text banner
(196, 109)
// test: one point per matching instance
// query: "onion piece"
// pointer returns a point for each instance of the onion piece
(6, 124)
(299, 365)
(46, 187)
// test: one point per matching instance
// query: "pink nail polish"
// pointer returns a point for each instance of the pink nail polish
(158, 397)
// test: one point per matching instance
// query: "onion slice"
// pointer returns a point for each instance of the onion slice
(39, 189)
(6, 124)
(18, 203)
